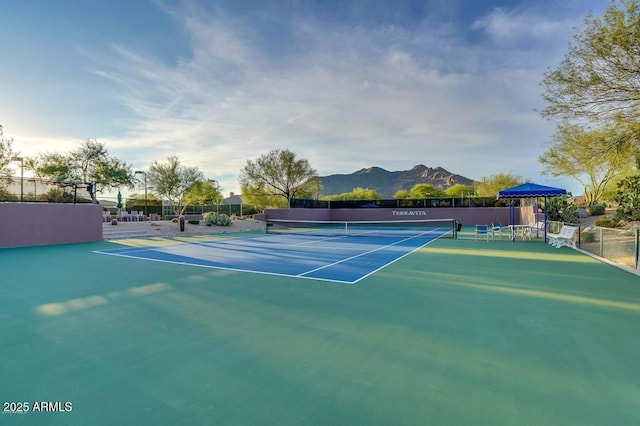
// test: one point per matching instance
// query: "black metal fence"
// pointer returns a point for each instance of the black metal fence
(399, 203)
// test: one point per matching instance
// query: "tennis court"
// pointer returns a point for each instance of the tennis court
(450, 332)
(315, 252)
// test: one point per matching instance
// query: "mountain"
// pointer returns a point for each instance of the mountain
(387, 183)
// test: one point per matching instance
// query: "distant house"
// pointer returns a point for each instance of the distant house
(232, 199)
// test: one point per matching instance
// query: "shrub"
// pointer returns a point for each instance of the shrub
(174, 220)
(219, 219)
(628, 199)
(562, 209)
(194, 221)
(606, 222)
(167, 217)
(597, 210)
(588, 237)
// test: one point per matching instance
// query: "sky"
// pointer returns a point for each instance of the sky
(345, 84)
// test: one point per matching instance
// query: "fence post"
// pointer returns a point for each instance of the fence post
(637, 245)
(601, 248)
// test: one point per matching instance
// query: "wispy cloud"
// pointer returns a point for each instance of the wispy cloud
(343, 96)
(518, 24)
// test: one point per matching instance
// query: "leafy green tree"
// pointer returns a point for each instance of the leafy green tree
(489, 186)
(355, 194)
(7, 154)
(402, 194)
(89, 164)
(260, 199)
(278, 173)
(598, 78)
(628, 199)
(562, 209)
(459, 190)
(203, 192)
(172, 180)
(592, 157)
(425, 190)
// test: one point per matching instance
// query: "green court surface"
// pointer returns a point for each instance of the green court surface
(460, 332)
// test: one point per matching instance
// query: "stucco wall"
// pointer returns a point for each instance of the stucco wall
(42, 224)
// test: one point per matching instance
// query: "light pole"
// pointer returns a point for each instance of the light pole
(217, 193)
(21, 160)
(140, 172)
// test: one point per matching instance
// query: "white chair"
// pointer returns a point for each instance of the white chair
(537, 228)
(566, 237)
(496, 228)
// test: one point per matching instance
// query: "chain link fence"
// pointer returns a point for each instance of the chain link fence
(620, 246)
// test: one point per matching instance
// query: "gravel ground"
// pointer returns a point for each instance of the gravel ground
(168, 228)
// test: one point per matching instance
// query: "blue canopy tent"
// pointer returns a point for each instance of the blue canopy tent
(531, 190)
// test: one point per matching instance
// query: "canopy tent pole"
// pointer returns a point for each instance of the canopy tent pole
(531, 190)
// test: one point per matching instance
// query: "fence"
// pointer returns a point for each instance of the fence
(29, 189)
(620, 246)
(402, 203)
(617, 245)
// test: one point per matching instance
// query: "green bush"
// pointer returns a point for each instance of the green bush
(588, 237)
(562, 209)
(597, 210)
(194, 221)
(219, 219)
(606, 222)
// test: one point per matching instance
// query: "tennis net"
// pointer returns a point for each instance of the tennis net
(446, 228)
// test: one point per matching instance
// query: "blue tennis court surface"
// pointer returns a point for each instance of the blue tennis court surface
(342, 259)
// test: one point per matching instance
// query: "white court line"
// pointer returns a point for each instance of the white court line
(393, 261)
(129, 254)
(368, 252)
(225, 268)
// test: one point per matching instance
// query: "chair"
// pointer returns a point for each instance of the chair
(482, 230)
(537, 228)
(566, 237)
(496, 227)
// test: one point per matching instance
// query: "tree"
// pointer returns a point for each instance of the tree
(355, 194)
(172, 181)
(459, 190)
(424, 190)
(628, 199)
(489, 186)
(278, 173)
(592, 157)
(562, 209)
(202, 192)
(89, 164)
(402, 194)
(7, 155)
(260, 200)
(598, 79)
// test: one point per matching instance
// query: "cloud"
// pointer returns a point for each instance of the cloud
(342, 95)
(509, 25)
